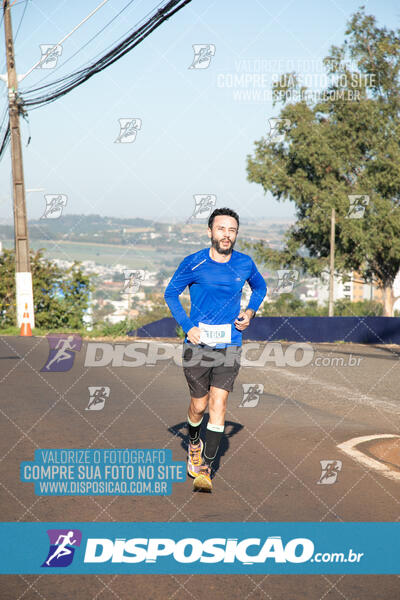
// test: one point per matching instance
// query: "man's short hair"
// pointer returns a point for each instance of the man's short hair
(222, 212)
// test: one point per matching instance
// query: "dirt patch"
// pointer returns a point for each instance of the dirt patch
(385, 450)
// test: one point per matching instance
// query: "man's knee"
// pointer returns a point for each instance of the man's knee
(217, 402)
(198, 405)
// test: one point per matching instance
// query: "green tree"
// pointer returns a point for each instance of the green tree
(60, 296)
(289, 306)
(344, 143)
(364, 308)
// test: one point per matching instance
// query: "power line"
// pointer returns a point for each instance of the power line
(22, 18)
(6, 138)
(62, 86)
(1, 23)
(84, 46)
(65, 38)
(16, 3)
(66, 84)
(20, 23)
(5, 141)
(3, 118)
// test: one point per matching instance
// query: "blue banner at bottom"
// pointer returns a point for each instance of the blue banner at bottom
(201, 548)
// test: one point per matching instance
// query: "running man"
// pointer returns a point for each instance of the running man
(62, 346)
(62, 549)
(212, 346)
(99, 396)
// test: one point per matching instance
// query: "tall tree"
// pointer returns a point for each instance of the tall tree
(344, 143)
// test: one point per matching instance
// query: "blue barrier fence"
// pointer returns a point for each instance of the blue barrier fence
(360, 330)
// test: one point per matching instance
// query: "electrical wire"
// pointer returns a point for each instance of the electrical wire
(6, 136)
(5, 141)
(66, 84)
(16, 3)
(44, 57)
(1, 22)
(62, 86)
(5, 114)
(19, 26)
(84, 46)
(22, 18)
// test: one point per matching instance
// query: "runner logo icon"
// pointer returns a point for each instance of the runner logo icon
(128, 129)
(330, 470)
(251, 394)
(203, 54)
(62, 547)
(286, 281)
(54, 206)
(61, 352)
(203, 205)
(98, 396)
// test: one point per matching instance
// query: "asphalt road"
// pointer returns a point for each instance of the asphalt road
(268, 468)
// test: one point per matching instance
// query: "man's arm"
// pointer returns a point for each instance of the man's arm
(258, 288)
(181, 278)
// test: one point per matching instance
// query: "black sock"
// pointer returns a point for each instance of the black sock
(194, 431)
(214, 435)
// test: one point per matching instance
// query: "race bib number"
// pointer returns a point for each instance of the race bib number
(215, 334)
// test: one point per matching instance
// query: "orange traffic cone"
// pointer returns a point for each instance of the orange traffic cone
(25, 325)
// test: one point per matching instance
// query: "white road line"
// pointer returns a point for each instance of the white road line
(349, 448)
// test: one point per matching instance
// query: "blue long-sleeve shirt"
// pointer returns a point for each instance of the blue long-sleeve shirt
(215, 291)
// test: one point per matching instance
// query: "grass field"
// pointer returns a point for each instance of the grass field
(134, 256)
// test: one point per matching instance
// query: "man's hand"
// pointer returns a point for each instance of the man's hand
(245, 316)
(194, 335)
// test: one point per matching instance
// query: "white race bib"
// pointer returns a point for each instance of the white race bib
(215, 334)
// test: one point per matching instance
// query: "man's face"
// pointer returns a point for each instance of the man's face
(223, 234)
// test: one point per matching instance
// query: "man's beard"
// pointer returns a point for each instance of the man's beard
(221, 249)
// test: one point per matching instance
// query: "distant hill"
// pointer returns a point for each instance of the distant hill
(87, 223)
(112, 230)
(53, 229)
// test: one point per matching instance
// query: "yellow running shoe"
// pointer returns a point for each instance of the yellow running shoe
(194, 460)
(203, 480)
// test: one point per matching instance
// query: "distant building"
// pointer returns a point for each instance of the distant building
(356, 289)
(364, 291)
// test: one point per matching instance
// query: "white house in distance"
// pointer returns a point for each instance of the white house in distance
(355, 289)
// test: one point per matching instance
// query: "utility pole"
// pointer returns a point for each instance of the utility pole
(23, 275)
(332, 264)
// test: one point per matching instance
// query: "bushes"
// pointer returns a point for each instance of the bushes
(287, 305)
(60, 296)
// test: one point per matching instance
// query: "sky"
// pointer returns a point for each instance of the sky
(195, 126)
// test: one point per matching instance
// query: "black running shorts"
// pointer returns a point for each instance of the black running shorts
(205, 366)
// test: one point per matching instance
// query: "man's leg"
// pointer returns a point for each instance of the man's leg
(198, 379)
(215, 429)
(216, 423)
(221, 383)
(196, 410)
(195, 447)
